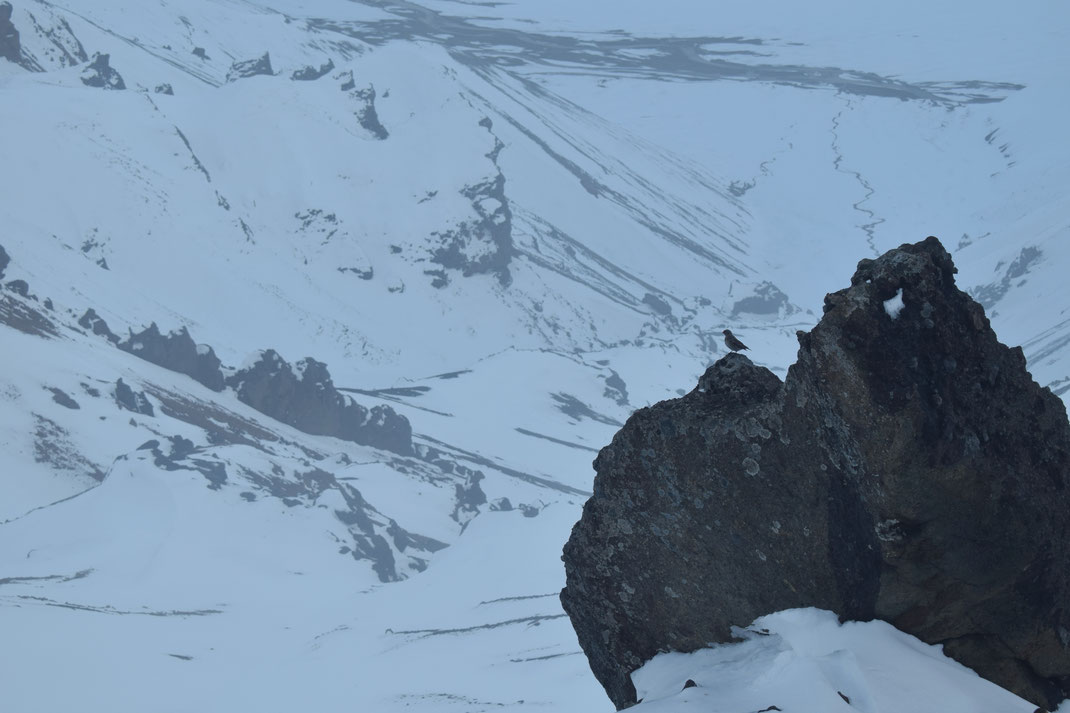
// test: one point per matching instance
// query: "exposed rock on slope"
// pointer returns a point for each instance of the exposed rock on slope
(249, 68)
(10, 46)
(304, 397)
(309, 73)
(101, 74)
(366, 114)
(908, 469)
(175, 351)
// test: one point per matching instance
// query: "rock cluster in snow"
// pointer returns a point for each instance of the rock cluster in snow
(907, 469)
(300, 395)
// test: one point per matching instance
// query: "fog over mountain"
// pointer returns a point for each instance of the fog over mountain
(314, 315)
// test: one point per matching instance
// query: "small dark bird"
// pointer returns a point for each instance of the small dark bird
(732, 343)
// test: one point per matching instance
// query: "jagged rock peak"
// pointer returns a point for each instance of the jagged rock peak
(175, 351)
(908, 469)
(99, 73)
(304, 396)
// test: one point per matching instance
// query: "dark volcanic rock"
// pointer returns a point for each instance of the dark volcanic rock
(250, 68)
(64, 399)
(10, 46)
(367, 116)
(908, 469)
(501, 505)
(165, 88)
(5, 259)
(468, 497)
(310, 73)
(130, 400)
(175, 351)
(102, 75)
(304, 397)
(19, 287)
(484, 245)
(93, 321)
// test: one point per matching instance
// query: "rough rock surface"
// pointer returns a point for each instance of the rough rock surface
(5, 259)
(908, 469)
(175, 351)
(303, 396)
(101, 74)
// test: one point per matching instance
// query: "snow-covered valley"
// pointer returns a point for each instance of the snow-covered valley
(510, 224)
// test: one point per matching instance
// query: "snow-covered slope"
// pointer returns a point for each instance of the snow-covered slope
(510, 224)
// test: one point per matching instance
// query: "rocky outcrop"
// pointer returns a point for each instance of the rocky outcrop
(907, 469)
(366, 114)
(95, 323)
(309, 73)
(175, 351)
(128, 399)
(303, 396)
(468, 496)
(10, 45)
(5, 260)
(249, 68)
(101, 74)
(485, 244)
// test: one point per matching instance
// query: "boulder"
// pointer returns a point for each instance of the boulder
(908, 469)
